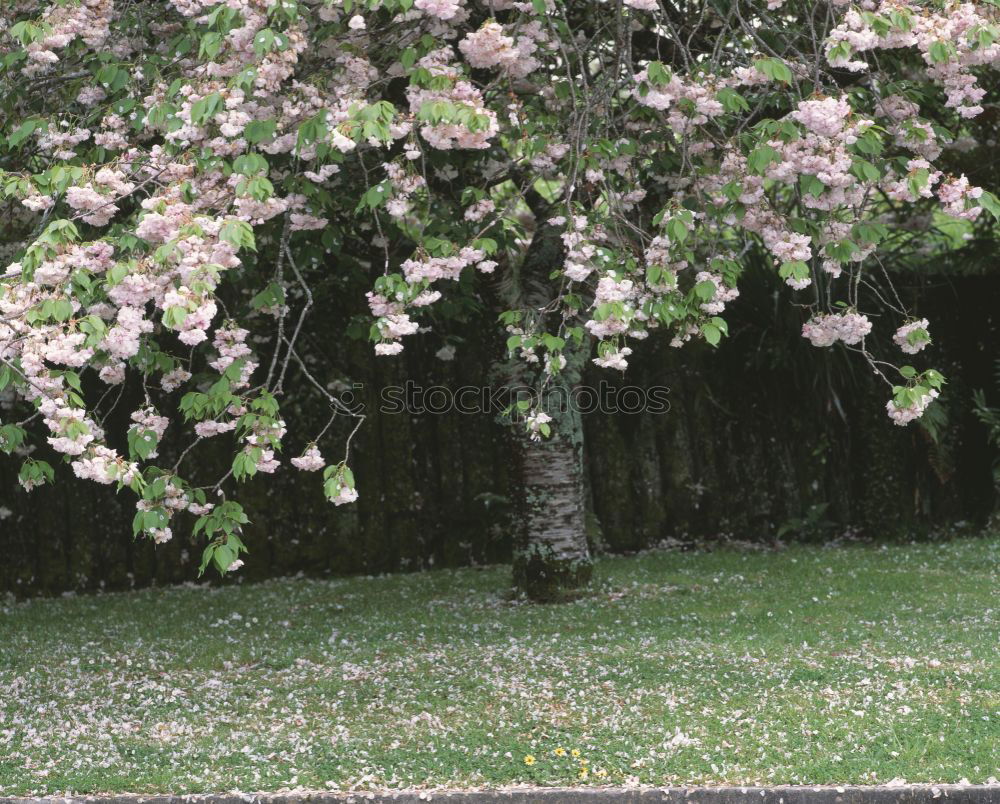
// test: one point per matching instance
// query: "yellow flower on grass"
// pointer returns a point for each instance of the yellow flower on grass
(600, 772)
(529, 760)
(560, 752)
(575, 752)
(583, 773)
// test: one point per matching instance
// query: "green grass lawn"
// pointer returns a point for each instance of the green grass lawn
(811, 665)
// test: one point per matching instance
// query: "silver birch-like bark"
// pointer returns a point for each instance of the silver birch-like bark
(551, 555)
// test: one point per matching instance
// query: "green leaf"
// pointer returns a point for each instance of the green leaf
(259, 131)
(22, 132)
(795, 269)
(141, 443)
(174, 317)
(705, 289)
(870, 233)
(27, 32)
(712, 333)
(869, 143)
(348, 476)
(941, 52)
(11, 437)
(268, 40)
(62, 309)
(865, 170)
(206, 556)
(205, 109)
(375, 196)
(918, 180)
(211, 44)
(252, 164)
(223, 557)
(761, 157)
(658, 73)
(732, 101)
(990, 202)
(810, 185)
(677, 229)
(775, 69)
(934, 378)
(239, 234)
(841, 251)
(271, 296)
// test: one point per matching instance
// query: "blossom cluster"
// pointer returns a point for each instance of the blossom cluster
(825, 330)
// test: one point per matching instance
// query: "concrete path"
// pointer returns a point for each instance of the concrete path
(904, 794)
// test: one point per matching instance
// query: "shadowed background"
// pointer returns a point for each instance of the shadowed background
(767, 438)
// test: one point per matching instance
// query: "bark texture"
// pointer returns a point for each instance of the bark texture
(551, 555)
(552, 558)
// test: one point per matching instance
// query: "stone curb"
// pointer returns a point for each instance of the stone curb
(902, 794)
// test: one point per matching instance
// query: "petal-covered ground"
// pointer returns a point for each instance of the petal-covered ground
(809, 665)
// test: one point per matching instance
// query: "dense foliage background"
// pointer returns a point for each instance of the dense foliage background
(760, 443)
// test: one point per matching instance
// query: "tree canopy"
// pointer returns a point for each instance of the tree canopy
(177, 177)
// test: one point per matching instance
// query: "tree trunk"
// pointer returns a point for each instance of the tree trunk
(551, 557)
